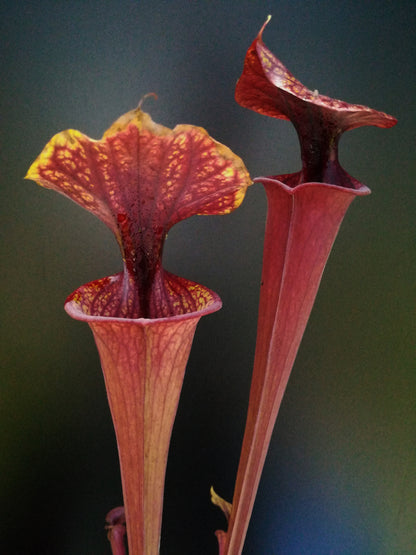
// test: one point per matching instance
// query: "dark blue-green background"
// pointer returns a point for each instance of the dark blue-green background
(340, 475)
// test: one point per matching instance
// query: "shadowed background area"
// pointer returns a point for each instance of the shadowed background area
(340, 474)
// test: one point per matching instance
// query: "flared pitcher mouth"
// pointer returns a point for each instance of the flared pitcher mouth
(288, 183)
(87, 303)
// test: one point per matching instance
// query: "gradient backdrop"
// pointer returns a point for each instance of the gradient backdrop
(340, 475)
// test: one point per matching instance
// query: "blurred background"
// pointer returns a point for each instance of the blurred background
(340, 476)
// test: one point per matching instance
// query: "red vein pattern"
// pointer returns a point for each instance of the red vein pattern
(140, 179)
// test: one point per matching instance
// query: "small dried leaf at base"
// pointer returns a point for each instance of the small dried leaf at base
(221, 503)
